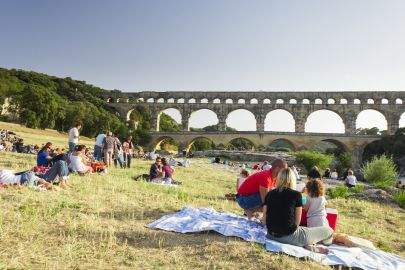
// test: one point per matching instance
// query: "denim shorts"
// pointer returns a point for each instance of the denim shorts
(247, 202)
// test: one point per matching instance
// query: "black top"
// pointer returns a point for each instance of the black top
(154, 171)
(281, 206)
(314, 174)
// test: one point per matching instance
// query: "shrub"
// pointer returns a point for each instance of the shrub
(380, 171)
(310, 159)
(358, 189)
(400, 198)
(339, 192)
(344, 161)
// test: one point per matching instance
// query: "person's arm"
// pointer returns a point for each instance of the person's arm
(263, 192)
(298, 213)
(264, 214)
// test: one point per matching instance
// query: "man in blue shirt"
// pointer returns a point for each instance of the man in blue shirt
(43, 157)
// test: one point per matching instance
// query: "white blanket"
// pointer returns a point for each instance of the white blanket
(190, 219)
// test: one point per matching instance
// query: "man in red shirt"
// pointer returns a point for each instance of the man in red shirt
(253, 191)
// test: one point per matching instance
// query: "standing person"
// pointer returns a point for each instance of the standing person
(118, 153)
(282, 212)
(254, 189)
(97, 146)
(127, 147)
(108, 148)
(74, 137)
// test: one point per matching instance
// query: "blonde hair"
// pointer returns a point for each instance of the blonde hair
(286, 179)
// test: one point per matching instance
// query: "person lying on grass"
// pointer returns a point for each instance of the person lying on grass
(254, 189)
(78, 161)
(282, 215)
(58, 173)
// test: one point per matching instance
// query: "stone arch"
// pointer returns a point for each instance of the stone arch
(266, 101)
(279, 120)
(384, 101)
(379, 119)
(242, 139)
(202, 118)
(150, 100)
(318, 101)
(174, 113)
(343, 101)
(191, 100)
(136, 107)
(398, 101)
(110, 100)
(170, 100)
(324, 121)
(156, 144)
(338, 143)
(204, 100)
(280, 101)
(241, 101)
(370, 101)
(371, 149)
(331, 101)
(356, 101)
(180, 100)
(228, 101)
(216, 101)
(160, 100)
(283, 143)
(190, 143)
(305, 101)
(118, 100)
(254, 101)
(293, 101)
(237, 119)
(402, 120)
(140, 100)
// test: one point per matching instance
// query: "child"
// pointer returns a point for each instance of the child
(241, 178)
(351, 179)
(315, 205)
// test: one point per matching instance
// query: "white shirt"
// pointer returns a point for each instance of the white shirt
(351, 180)
(100, 139)
(316, 206)
(152, 155)
(76, 163)
(334, 175)
(8, 177)
(74, 132)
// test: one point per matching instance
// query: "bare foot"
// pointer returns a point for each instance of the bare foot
(317, 249)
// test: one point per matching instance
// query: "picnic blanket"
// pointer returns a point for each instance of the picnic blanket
(190, 219)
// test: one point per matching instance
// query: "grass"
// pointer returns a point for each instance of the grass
(100, 223)
(341, 191)
(400, 198)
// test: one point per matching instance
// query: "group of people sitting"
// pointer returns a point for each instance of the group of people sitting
(349, 177)
(10, 142)
(273, 193)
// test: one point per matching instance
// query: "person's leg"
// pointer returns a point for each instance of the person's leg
(96, 156)
(72, 146)
(106, 158)
(129, 157)
(250, 204)
(109, 155)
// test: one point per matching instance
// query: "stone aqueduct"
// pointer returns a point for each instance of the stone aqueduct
(299, 104)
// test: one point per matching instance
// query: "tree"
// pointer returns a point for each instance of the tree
(310, 159)
(168, 124)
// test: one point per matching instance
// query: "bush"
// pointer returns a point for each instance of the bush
(358, 189)
(344, 161)
(400, 198)
(310, 159)
(380, 171)
(339, 192)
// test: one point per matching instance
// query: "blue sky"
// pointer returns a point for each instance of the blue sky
(210, 45)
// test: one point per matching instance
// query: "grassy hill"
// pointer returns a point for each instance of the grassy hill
(100, 223)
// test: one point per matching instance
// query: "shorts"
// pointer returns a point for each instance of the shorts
(252, 201)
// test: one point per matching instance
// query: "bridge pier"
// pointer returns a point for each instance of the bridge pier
(393, 123)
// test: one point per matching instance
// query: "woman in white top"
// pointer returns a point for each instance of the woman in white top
(351, 179)
(316, 204)
(77, 161)
(334, 174)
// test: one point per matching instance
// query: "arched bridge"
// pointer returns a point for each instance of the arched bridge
(300, 105)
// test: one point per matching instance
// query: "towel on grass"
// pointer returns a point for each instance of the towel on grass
(191, 219)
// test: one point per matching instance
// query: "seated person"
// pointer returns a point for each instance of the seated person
(44, 158)
(78, 161)
(57, 174)
(172, 162)
(156, 173)
(185, 163)
(314, 174)
(282, 215)
(168, 171)
(334, 174)
(254, 189)
(327, 173)
(350, 179)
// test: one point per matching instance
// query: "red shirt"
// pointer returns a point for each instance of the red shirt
(253, 182)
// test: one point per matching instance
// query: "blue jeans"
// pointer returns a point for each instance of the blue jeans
(247, 202)
(72, 146)
(28, 179)
(97, 153)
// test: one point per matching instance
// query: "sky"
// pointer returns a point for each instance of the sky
(210, 45)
